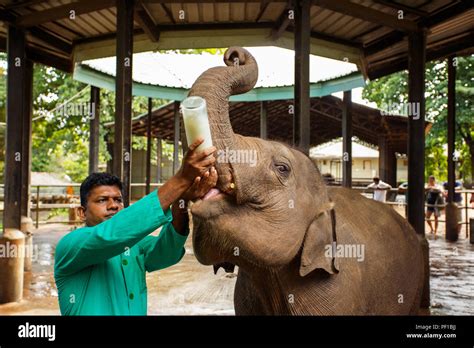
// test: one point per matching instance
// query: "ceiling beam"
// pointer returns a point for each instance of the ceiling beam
(281, 23)
(405, 8)
(144, 19)
(39, 33)
(63, 11)
(168, 13)
(263, 7)
(439, 17)
(368, 14)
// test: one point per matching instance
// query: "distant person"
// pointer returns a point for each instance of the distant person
(457, 199)
(100, 269)
(380, 189)
(434, 192)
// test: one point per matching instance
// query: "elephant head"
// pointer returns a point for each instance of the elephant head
(270, 206)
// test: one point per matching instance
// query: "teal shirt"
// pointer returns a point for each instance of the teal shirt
(101, 270)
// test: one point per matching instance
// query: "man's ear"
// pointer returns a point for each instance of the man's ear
(318, 244)
(81, 212)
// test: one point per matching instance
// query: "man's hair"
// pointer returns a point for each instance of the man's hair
(376, 178)
(97, 179)
(432, 177)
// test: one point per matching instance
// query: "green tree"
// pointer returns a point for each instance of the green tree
(394, 89)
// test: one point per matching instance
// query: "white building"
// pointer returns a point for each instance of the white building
(365, 161)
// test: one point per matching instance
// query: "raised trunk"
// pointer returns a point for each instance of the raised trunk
(216, 85)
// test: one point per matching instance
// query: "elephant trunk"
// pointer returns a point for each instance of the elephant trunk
(215, 86)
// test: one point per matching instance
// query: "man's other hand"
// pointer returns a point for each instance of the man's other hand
(201, 185)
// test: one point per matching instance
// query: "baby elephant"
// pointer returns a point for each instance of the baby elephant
(302, 248)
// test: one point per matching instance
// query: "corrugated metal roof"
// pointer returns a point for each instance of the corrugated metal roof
(276, 67)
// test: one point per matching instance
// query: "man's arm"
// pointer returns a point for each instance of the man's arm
(92, 245)
(168, 248)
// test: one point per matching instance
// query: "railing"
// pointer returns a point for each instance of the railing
(36, 204)
(403, 203)
(364, 190)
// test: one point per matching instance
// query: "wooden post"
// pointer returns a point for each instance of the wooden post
(123, 96)
(387, 162)
(176, 138)
(12, 267)
(94, 128)
(159, 154)
(451, 208)
(416, 148)
(263, 120)
(347, 139)
(14, 154)
(148, 145)
(26, 140)
(301, 120)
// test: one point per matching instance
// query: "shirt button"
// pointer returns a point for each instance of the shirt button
(124, 262)
(131, 296)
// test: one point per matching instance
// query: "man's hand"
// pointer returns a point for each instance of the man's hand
(201, 185)
(196, 164)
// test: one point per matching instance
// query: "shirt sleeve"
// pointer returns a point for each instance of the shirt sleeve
(164, 250)
(92, 245)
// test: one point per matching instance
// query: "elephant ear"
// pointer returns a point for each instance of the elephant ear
(319, 243)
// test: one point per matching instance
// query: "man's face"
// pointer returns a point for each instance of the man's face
(103, 203)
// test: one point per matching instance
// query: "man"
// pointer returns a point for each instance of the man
(380, 189)
(100, 268)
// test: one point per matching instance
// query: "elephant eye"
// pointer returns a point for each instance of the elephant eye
(282, 168)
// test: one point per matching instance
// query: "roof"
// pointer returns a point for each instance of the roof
(325, 119)
(175, 70)
(46, 178)
(369, 33)
(334, 150)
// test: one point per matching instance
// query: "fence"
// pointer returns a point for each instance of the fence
(36, 205)
(402, 203)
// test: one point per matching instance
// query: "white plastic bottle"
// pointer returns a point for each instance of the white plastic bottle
(196, 121)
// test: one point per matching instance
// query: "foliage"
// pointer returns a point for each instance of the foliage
(394, 89)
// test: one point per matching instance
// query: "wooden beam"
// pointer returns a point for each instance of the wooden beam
(26, 139)
(159, 156)
(301, 117)
(282, 23)
(402, 7)
(387, 162)
(176, 137)
(123, 96)
(263, 120)
(451, 126)
(63, 11)
(148, 146)
(146, 22)
(367, 14)
(94, 130)
(347, 139)
(416, 132)
(14, 146)
(168, 13)
(263, 7)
